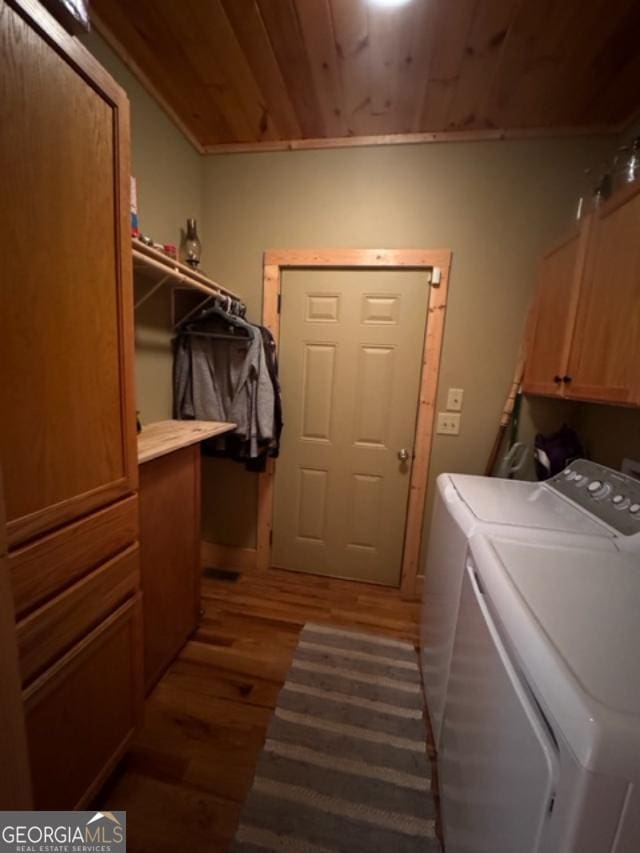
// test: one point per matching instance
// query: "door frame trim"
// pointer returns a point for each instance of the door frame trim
(277, 260)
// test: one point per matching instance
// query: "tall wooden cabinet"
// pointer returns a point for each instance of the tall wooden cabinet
(67, 433)
(586, 334)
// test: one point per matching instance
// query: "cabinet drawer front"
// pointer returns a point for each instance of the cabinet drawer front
(47, 566)
(51, 630)
(81, 712)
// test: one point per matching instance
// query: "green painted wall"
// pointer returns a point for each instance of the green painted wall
(169, 174)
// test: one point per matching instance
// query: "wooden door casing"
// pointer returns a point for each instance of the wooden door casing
(66, 335)
(605, 353)
(274, 262)
(554, 308)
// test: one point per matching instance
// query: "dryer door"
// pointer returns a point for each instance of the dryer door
(497, 761)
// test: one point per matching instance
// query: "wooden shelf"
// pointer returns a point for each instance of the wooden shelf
(160, 269)
(164, 437)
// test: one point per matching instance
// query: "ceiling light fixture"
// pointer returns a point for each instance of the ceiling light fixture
(388, 4)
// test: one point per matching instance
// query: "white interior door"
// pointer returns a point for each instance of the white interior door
(351, 345)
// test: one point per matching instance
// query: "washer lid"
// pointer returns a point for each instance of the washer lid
(522, 504)
(573, 617)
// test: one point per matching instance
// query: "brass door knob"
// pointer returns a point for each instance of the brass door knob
(403, 455)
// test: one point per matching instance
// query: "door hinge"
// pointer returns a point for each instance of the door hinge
(436, 276)
(271, 537)
(279, 303)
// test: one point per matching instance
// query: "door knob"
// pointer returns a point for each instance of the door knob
(403, 455)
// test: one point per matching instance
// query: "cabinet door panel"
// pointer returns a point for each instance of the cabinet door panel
(605, 353)
(81, 713)
(555, 307)
(67, 437)
(170, 555)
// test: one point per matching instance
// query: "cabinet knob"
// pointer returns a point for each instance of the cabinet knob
(567, 379)
(557, 379)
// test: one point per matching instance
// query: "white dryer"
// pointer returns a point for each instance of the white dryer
(560, 510)
(540, 745)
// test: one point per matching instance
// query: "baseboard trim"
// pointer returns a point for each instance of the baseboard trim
(228, 556)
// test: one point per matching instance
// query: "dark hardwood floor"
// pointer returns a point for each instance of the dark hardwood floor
(191, 765)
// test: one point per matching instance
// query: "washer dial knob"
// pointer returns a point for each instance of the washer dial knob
(620, 502)
(599, 490)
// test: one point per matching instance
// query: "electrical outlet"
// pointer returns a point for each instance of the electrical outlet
(454, 399)
(448, 423)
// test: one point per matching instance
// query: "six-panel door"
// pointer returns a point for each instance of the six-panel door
(351, 355)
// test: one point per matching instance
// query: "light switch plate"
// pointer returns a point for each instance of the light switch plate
(448, 423)
(454, 399)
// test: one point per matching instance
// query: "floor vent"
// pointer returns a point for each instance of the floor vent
(220, 574)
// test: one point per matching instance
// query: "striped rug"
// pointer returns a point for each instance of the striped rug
(344, 765)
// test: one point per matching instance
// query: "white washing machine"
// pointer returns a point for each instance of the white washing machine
(540, 745)
(565, 509)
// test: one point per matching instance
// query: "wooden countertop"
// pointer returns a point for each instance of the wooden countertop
(164, 437)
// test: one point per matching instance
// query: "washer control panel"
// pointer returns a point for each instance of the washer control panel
(611, 496)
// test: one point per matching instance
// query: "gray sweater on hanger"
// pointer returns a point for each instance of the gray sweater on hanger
(225, 380)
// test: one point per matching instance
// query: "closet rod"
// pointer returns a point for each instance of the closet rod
(219, 336)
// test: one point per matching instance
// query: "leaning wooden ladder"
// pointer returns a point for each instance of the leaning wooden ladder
(509, 403)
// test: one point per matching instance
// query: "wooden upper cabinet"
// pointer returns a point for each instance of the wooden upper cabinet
(586, 339)
(554, 314)
(604, 364)
(67, 434)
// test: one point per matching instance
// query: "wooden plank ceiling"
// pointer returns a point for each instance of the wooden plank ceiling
(247, 72)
